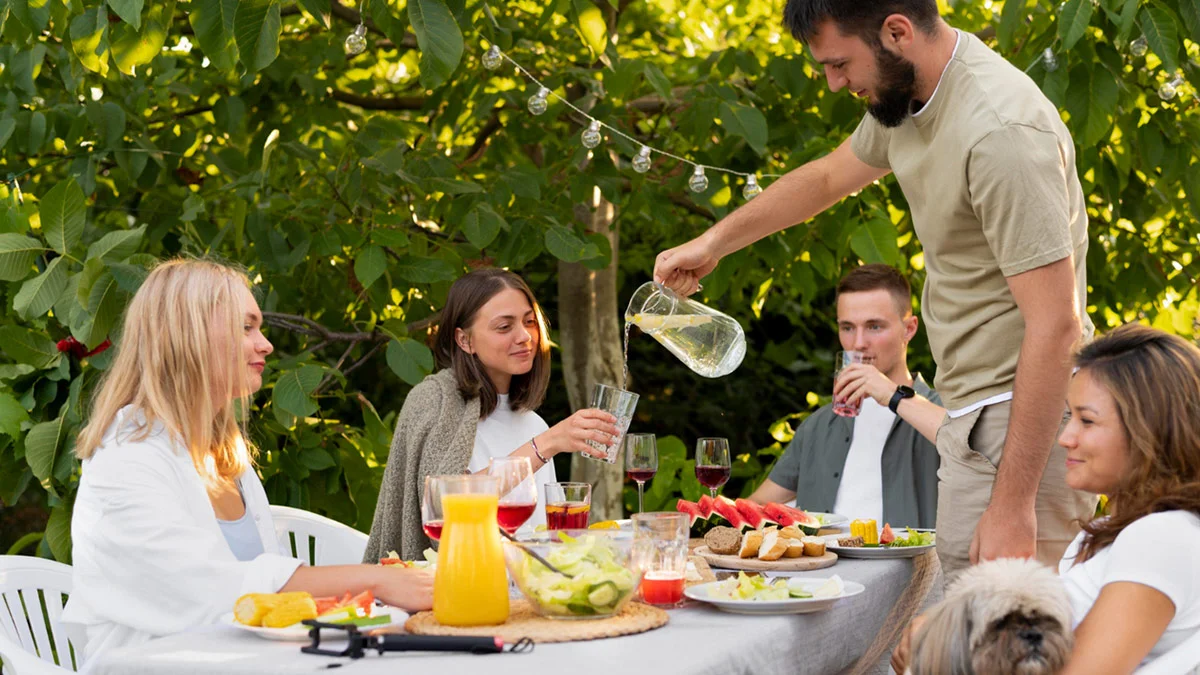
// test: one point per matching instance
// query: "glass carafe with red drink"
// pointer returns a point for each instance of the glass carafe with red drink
(518, 492)
(712, 463)
(641, 461)
(660, 547)
(431, 507)
(568, 505)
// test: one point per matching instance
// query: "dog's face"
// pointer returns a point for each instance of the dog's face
(1006, 617)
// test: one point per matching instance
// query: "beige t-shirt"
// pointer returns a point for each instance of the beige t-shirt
(988, 169)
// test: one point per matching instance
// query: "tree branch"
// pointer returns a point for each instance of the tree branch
(481, 139)
(379, 102)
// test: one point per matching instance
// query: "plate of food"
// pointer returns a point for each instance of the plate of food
(429, 562)
(770, 549)
(866, 541)
(743, 513)
(278, 616)
(759, 595)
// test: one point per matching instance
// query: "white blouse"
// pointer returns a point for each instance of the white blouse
(149, 558)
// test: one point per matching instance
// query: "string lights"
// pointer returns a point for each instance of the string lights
(1167, 91)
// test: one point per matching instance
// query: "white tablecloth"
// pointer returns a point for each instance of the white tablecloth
(698, 640)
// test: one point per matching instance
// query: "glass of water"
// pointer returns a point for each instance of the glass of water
(620, 404)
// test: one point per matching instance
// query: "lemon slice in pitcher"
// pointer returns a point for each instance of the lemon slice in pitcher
(656, 322)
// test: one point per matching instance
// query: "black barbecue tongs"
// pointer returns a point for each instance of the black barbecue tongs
(358, 642)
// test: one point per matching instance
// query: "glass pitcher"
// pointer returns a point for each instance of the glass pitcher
(470, 587)
(710, 342)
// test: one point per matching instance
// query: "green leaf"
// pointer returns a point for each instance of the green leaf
(294, 388)
(63, 215)
(12, 415)
(875, 242)
(1092, 103)
(409, 359)
(1189, 11)
(1010, 19)
(17, 254)
(129, 277)
(268, 150)
(89, 39)
(370, 265)
(58, 533)
(564, 244)
(1073, 21)
(316, 459)
(105, 303)
(37, 295)
(256, 27)
(660, 83)
(212, 21)
(7, 125)
(1055, 86)
(117, 245)
(317, 9)
(29, 347)
(34, 14)
(1128, 18)
(1162, 33)
(396, 239)
(747, 122)
(133, 47)
(482, 225)
(193, 208)
(590, 23)
(424, 270)
(130, 11)
(42, 444)
(438, 38)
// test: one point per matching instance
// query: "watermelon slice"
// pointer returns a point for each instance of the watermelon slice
(726, 509)
(779, 514)
(706, 507)
(752, 513)
(690, 509)
(886, 536)
(807, 522)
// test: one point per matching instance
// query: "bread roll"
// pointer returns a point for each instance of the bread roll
(814, 546)
(773, 546)
(750, 543)
(795, 549)
(723, 540)
(791, 532)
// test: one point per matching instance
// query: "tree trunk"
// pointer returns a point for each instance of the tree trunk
(590, 337)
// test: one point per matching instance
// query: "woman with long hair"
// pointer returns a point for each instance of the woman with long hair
(171, 523)
(494, 353)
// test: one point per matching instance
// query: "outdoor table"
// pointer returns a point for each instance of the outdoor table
(856, 636)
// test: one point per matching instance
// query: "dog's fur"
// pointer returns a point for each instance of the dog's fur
(1004, 617)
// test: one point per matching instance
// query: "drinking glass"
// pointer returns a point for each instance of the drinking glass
(620, 404)
(660, 547)
(431, 507)
(712, 463)
(840, 362)
(518, 492)
(641, 461)
(568, 505)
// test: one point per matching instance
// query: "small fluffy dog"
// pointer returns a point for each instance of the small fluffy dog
(1004, 617)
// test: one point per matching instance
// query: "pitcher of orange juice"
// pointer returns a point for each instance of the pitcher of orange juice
(470, 587)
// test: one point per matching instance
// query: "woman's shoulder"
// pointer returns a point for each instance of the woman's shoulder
(1176, 528)
(130, 443)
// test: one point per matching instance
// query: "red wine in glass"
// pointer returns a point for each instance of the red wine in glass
(512, 516)
(433, 529)
(640, 475)
(712, 477)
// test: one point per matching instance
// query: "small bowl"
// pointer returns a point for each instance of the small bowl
(599, 561)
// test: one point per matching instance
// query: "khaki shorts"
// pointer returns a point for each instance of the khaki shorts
(970, 448)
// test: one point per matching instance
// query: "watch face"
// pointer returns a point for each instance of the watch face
(906, 391)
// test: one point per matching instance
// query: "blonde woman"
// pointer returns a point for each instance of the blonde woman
(171, 524)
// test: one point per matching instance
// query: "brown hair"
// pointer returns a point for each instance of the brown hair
(877, 276)
(803, 18)
(1154, 378)
(466, 296)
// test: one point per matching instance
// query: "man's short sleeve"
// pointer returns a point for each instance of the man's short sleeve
(1017, 180)
(786, 473)
(869, 142)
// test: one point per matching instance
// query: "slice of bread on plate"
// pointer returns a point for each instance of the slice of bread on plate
(773, 546)
(813, 546)
(750, 544)
(795, 549)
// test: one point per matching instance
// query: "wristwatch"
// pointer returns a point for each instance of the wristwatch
(902, 392)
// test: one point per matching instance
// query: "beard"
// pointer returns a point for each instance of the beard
(897, 88)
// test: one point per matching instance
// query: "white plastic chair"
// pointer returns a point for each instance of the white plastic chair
(1183, 659)
(33, 640)
(316, 539)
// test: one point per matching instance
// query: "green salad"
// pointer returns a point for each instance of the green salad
(757, 588)
(599, 583)
(914, 538)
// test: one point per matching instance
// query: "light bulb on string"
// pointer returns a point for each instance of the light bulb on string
(752, 188)
(641, 163)
(1169, 89)
(356, 42)
(1139, 46)
(491, 58)
(591, 136)
(698, 182)
(1049, 60)
(537, 102)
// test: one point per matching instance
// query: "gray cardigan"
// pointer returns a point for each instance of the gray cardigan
(435, 435)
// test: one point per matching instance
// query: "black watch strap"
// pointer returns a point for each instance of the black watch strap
(902, 392)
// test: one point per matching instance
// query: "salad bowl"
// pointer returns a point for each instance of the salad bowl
(601, 577)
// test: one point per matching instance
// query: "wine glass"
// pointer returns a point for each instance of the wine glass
(641, 461)
(518, 493)
(712, 463)
(431, 507)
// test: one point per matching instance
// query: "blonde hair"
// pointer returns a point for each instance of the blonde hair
(175, 367)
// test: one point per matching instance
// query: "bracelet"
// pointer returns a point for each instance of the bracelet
(536, 452)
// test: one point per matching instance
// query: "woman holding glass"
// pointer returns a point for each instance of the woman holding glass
(495, 367)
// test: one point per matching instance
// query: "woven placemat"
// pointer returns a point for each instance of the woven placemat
(523, 622)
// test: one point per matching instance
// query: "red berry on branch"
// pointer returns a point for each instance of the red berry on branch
(65, 344)
(100, 348)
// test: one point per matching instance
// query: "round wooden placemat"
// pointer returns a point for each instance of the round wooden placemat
(523, 622)
(732, 562)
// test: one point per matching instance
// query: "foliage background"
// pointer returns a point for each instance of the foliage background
(355, 189)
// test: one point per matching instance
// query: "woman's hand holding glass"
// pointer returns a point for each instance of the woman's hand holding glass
(572, 434)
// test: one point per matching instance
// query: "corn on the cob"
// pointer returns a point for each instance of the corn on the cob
(289, 612)
(867, 529)
(250, 609)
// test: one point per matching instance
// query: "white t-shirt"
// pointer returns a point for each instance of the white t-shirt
(504, 431)
(860, 494)
(1161, 551)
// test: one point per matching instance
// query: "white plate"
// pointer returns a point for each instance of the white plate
(831, 520)
(700, 592)
(881, 553)
(298, 632)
